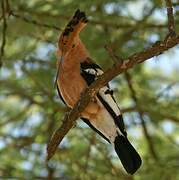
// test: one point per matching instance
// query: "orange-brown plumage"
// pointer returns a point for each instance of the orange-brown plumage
(75, 72)
(74, 52)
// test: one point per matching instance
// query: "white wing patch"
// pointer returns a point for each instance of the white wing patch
(109, 100)
(90, 71)
(99, 72)
(96, 71)
(102, 92)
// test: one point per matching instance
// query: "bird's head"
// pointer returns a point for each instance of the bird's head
(70, 36)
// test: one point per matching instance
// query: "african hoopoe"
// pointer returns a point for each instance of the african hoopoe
(75, 72)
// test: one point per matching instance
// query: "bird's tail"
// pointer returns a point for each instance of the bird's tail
(129, 157)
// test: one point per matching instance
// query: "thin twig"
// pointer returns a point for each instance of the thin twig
(141, 117)
(120, 67)
(127, 35)
(3, 44)
(171, 22)
(32, 21)
(8, 8)
(148, 138)
(88, 152)
(113, 56)
(166, 89)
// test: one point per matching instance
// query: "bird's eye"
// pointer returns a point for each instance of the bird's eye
(73, 45)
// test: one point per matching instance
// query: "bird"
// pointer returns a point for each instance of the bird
(75, 72)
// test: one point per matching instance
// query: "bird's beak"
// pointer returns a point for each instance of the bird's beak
(58, 68)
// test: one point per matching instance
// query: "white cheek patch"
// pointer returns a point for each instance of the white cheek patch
(109, 100)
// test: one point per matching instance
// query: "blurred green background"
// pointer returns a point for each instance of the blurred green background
(30, 109)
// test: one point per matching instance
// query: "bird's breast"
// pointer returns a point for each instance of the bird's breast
(71, 84)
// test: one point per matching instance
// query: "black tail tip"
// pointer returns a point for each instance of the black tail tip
(129, 157)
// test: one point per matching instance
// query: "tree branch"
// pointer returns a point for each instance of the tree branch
(120, 67)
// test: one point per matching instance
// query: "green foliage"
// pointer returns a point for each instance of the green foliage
(30, 109)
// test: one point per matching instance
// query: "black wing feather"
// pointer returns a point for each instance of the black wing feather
(117, 119)
(90, 78)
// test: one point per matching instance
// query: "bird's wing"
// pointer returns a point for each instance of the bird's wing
(95, 129)
(90, 71)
